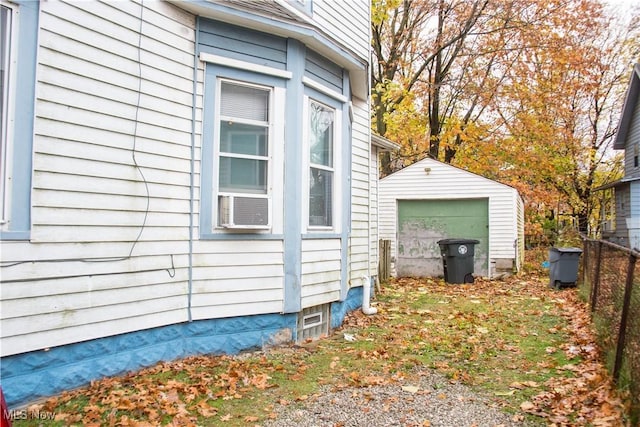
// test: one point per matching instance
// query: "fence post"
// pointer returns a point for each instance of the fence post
(384, 259)
(596, 279)
(623, 320)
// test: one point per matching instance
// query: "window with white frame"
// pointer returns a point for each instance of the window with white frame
(7, 35)
(243, 155)
(322, 165)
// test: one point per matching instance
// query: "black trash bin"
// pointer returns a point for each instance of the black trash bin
(457, 259)
(563, 267)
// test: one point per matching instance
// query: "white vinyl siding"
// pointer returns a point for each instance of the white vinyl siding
(330, 15)
(361, 263)
(374, 246)
(108, 249)
(235, 278)
(320, 271)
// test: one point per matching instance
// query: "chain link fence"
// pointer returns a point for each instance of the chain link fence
(611, 280)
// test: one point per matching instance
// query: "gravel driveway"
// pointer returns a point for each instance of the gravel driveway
(430, 400)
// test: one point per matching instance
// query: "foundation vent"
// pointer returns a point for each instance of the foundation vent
(313, 322)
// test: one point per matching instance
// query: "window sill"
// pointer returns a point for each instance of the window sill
(252, 235)
(320, 235)
(15, 235)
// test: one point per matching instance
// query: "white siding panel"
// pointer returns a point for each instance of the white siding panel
(330, 15)
(82, 134)
(88, 299)
(155, 83)
(57, 181)
(19, 251)
(237, 277)
(71, 334)
(97, 282)
(361, 262)
(92, 265)
(373, 244)
(321, 270)
(77, 168)
(246, 308)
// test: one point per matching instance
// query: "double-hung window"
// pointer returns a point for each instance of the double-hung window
(323, 176)
(244, 129)
(321, 164)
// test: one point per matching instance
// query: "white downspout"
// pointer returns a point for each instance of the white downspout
(366, 296)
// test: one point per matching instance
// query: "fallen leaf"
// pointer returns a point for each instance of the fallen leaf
(527, 406)
(410, 388)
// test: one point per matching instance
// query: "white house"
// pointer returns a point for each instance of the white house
(179, 177)
(430, 200)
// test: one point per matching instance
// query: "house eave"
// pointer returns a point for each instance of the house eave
(383, 143)
(617, 183)
(289, 25)
(627, 110)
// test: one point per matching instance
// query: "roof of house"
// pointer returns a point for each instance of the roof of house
(448, 167)
(630, 101)
(283, 20)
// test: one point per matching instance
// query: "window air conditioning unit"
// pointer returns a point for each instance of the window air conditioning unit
(244, 212)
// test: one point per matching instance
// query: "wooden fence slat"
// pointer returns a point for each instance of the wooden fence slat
(384, 262)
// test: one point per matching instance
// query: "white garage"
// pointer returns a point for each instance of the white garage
(430, 200)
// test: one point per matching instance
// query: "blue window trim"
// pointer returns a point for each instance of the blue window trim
(19, 227)
(345, 140)
(212, 73)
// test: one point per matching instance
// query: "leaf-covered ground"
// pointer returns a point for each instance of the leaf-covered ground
(527, 347)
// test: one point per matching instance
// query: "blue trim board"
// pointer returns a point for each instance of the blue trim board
(293, 180)
(20, 216)
(30, 376)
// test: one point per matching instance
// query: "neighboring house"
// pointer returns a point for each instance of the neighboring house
(178, 177)
(430, 200)
(624, 229)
